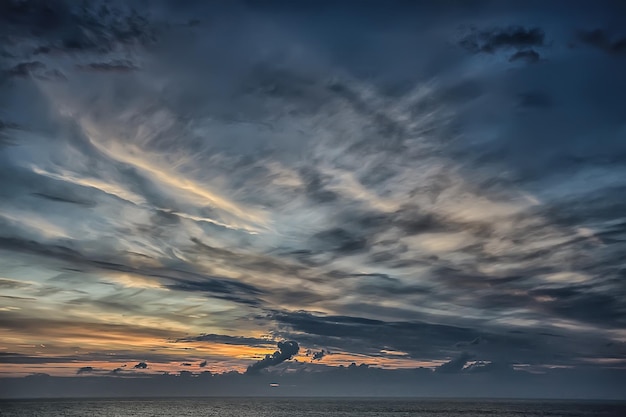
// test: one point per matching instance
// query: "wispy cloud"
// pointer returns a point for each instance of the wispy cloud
(400, 189)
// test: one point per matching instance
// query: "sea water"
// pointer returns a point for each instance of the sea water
(309, 407)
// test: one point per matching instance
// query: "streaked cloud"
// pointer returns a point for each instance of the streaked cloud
(403, 190)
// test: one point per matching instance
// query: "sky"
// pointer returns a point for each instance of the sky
(354, 197)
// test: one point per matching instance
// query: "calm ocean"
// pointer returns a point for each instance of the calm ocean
(265, 407)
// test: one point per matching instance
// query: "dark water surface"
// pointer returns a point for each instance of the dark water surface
(265, 407)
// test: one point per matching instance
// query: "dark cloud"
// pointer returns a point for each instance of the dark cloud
(19, 358)
(370, 336)
(251, 262)
(12, 284)
(181, 280)
(64, 199)
(319, 355)
(202, 364)
(603, 40)
(119, 66)
(286, 350)
(490, 41)
(5, 128)
(420, 340)
(141, 365)
(582, 304)
(412, 222)
(227, 339)
(220, 288)
(355, 380)
(529, 56)
(25, 69)
(217, 285)
(67, 27)
(315, 188)
(85, 370)
(340, 241)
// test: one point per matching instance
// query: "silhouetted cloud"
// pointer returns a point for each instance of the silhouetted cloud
(85, 370)
(319, 355)
(141, 365)
(286, 350)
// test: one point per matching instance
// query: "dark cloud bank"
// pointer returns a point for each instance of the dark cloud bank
(352, 380)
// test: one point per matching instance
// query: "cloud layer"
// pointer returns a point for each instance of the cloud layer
(421, 185)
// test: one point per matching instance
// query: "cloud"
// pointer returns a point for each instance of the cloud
(368, 336)
(202, 364)
(319, 355)
(357, 380)
(25, 69)
(306, 185)
(120, 66)
(286, 350)
(19, 358)
(141, 365)
(227, 339)
(179, 280)
(492, 40)
(85, 370)
(340, 240)
(64, 199)
(67, 28)
(315, 188)
(493, 367)
(455, 365)
(528, 55)
(603, 40)
(13, 284)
